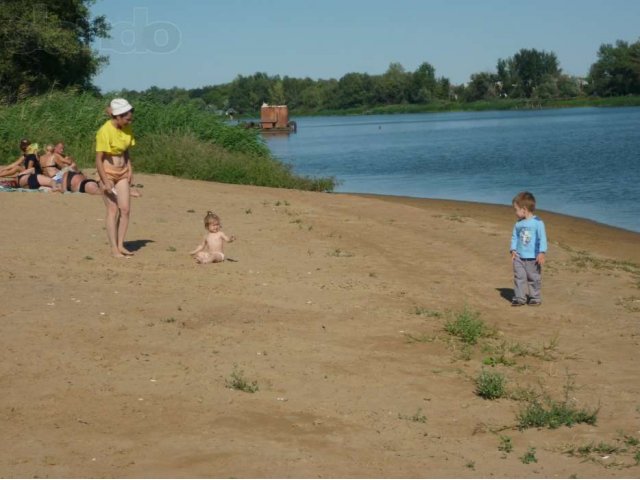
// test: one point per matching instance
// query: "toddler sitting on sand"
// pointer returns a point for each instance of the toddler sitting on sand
(211, 250)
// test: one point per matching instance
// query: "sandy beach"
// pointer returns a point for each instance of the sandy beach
(335, 307)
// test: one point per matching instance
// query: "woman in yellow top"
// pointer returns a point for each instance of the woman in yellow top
(113, 141)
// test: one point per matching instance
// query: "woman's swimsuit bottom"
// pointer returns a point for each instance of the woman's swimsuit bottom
(115, 174)
(32, 179)
(83, 184)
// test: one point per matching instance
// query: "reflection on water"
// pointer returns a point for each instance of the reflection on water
(582, 161)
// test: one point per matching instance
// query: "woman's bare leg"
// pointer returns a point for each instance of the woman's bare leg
(112, 222)
(124, 207)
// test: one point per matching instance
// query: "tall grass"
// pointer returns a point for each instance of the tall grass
(177, 139)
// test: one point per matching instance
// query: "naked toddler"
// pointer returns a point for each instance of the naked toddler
(211, 250)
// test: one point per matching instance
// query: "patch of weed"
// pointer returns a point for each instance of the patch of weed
(237, 382)
(490, 385)
(506, 445)
(339, 253)
(416, 417)
(171, 249)
(529, 456)
(248, 211)
(467, 326)
(554, 414)
(498, 355)
(425, 312)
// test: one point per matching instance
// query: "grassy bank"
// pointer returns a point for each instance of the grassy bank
(178, 140)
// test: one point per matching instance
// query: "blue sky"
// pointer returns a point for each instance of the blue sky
(194, 43)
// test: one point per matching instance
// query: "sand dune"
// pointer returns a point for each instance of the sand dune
(336, 308)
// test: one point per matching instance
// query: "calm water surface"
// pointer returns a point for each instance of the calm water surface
(581, 161)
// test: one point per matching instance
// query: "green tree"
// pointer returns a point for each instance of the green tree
(617, 70)
(422, 85)
(47, 45)
(526, 71)
(354, 90)
(483, 86)
(393, 85)
(276, 93)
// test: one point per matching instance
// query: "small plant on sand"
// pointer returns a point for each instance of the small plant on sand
(631, 441)
(506, 444)
(553, 414)
(237, 382)
(416, 417)
(529, 456)
(490, 385)
(88, 257)
(498, 355)
(248, 211)
(336, 252)
(467, 326)
(171, 249)
(636, 457)
(425, 312)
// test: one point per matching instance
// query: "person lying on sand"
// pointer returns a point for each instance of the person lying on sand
(12, 169)
(211, 250)
(62, 170)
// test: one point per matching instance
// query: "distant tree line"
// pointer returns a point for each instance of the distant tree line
(46, 46)
(529, 74)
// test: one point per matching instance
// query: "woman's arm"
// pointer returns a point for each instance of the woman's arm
(107, 185)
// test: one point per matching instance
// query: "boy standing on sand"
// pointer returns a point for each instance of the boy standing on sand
(528, 248)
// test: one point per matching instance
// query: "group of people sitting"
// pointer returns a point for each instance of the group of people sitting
(53, 170)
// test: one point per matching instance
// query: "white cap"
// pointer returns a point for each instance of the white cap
(120, 106)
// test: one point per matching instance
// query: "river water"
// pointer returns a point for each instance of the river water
(583, 162)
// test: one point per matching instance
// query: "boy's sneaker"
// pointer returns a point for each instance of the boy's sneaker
(516, 302)
(534, 302)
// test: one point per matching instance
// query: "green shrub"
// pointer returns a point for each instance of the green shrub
(554, 414)
(237, 382)
(467, 326)
(506, 445)
(490, 385)
(529, 456)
